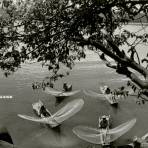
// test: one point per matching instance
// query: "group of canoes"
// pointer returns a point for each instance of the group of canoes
(102, 135)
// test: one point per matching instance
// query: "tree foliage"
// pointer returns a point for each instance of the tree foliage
(60, 31)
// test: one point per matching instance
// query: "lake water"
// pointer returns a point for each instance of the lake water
(89, 74)
(85, 75)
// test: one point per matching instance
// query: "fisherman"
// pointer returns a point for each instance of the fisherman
(44, 112)
(121, 91)
(67, 87)
(107, 90)
(113, 96)
(136, 142)
(111, 93)
(103, 122)
(103, 125)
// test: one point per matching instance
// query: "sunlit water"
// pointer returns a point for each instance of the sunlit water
(89, 74)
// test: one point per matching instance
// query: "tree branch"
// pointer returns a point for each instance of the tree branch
(127, 61)
(141, 83)
(115, 48)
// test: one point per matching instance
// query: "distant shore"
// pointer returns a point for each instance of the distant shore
(137, 24)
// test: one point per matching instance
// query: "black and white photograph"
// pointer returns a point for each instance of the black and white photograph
(73, 73)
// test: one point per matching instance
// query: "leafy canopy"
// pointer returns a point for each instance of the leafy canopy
(60, 31)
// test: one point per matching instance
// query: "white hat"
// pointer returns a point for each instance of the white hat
(135, 138)
(106, 87)
(103, 116)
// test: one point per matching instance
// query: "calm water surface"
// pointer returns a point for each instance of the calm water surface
(85, 75)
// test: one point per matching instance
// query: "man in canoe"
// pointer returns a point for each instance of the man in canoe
(103, 123)
(108, 91)
(40, 110)
(136, 142)
(104, 126)
(67, 87)
(44, 112)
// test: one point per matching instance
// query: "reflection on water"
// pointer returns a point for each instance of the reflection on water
(27, 134)
(46, 137)
(57, 129)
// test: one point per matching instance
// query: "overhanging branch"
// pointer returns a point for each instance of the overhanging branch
(126, 61)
